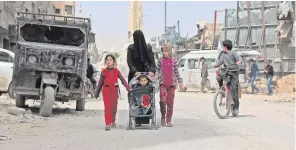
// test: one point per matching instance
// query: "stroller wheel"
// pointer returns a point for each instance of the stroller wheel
(133, 124)
(150, 124)
(154, 120)
(129, 124)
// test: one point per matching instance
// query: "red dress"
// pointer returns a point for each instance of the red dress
(109, 83)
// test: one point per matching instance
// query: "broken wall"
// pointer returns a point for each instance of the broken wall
(246, 33)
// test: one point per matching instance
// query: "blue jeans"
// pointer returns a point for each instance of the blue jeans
(252, 82)
(269, 87)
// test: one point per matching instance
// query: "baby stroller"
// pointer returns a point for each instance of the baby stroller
(138, 114)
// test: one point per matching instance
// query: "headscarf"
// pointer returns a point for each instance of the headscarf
(141, 50)
(168, 48)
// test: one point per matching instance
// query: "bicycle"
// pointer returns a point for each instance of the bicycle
(225, 92)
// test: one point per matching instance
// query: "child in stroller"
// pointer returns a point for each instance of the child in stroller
(142, 102)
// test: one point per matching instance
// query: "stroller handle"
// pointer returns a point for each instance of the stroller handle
(143, 73)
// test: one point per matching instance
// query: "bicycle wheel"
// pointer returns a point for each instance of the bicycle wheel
(218, 102)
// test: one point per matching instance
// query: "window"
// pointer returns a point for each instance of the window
(57, 11)
(26, 10)
(193, 64)
(181, 63)
(68, 9)
(4, 57)
(210, 61)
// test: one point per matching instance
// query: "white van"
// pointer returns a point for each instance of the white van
(190, 68)
(6, 67)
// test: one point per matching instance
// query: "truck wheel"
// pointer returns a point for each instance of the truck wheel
(10, 92)
(20, 101)
(48, 99)
(80, 105)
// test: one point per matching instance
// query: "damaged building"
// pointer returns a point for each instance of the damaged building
(8, 10)
(207, 36)
(266, 27)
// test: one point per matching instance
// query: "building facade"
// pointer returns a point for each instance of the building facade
(135, 16)
(265, 27)
(8, 11)
(65, 8)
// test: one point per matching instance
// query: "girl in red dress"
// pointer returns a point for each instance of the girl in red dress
(109, 82)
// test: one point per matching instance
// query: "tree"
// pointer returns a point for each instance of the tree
(117, 55)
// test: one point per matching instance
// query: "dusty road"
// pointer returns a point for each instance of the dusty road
(261, 125)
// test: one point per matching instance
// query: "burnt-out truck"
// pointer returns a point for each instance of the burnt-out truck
(50, 59)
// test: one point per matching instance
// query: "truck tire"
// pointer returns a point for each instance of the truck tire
(10, 92)
(80, 105)
(20, 101)
(48, 99)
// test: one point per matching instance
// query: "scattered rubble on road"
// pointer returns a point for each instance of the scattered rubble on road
(9, 114)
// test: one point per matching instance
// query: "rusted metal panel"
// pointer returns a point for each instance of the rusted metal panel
(239, 25)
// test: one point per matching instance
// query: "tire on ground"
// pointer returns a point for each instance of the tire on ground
(48, 99)
(80, 105)
(215, 99)
(10, 92)
(20, 101)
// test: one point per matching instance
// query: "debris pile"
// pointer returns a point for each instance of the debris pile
(16, 115)
(286, 84)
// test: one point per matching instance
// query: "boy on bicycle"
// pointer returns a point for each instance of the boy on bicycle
(231, 59)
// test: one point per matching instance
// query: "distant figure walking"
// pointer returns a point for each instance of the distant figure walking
(253, 73)
(204, 74)
(268, 71)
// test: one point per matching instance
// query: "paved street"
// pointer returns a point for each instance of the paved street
(261, 125)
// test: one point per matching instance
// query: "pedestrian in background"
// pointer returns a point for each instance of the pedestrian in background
(254, 71)
(169, 78)
(204, 73)
(109, 82)
(268, 71)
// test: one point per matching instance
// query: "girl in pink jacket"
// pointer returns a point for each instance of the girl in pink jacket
(169, 78)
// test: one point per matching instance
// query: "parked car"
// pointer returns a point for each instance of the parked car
(6, 67)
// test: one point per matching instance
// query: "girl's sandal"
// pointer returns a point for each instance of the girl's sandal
(107, 128)
(169, 125)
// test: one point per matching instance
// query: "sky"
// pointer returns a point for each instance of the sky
(110, 19)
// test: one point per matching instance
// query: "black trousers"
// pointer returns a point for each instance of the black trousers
(220, 81)
(232, 80)
(94, 82)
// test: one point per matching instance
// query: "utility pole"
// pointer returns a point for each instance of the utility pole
(165, 19)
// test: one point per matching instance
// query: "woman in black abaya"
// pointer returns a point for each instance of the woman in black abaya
(140, 56)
